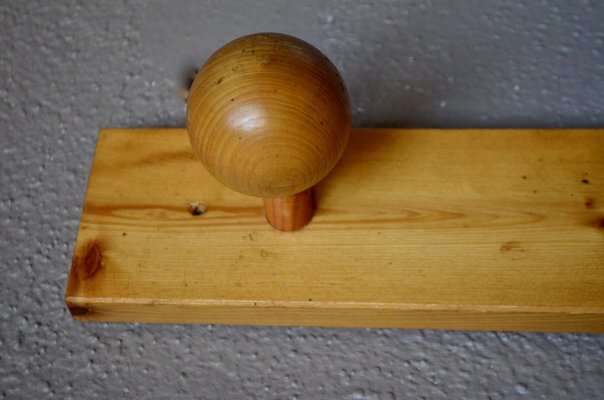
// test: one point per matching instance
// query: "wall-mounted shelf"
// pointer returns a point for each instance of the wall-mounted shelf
(445, 229)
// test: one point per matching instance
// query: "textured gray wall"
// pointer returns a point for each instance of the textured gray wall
(67, 70)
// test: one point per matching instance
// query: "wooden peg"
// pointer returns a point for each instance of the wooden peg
(268, 115)
(289, 213)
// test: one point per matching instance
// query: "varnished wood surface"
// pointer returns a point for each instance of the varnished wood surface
(446, 229)
(290, 213)
(268, 115)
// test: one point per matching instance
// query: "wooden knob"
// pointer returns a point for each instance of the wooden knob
(268, 115)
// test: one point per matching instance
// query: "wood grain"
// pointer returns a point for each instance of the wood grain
(290, 213)
(268, 115)
(446, 229)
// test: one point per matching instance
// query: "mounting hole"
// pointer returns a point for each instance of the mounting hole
(197, 208)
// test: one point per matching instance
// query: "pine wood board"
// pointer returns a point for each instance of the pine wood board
(440, 229)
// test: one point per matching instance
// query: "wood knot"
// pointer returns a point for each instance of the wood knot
(88, 261)
(511, 246)
(598, 223)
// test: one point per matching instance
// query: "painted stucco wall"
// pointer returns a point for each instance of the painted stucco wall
(70, 68)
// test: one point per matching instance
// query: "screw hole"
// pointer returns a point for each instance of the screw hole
(197, 208)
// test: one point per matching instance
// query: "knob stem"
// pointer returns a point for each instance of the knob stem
(290, 213)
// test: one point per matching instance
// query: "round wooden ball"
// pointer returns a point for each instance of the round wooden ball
(268, 115)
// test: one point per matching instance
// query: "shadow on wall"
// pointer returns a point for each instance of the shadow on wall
(410, 64)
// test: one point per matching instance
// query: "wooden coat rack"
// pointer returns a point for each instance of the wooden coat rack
(413, 228)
